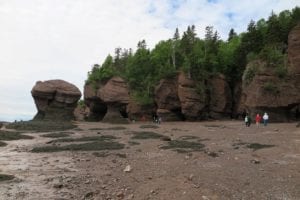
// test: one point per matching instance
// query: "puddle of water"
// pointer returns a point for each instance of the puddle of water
(31, 170)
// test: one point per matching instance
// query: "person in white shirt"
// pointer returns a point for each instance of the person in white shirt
(266, 119)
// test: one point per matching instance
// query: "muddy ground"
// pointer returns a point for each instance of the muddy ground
(214, 160)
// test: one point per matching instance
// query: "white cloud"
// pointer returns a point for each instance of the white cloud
(50, 39)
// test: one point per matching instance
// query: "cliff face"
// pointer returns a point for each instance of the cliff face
(175, 99)
(279, 97)
(181, 98)
(294, 51)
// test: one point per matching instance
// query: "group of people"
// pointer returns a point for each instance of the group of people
(258, 119)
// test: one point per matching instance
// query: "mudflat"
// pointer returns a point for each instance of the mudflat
(174, 160)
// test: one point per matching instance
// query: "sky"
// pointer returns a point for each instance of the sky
(62, 39)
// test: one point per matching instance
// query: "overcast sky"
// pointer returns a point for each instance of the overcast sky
(62, 39)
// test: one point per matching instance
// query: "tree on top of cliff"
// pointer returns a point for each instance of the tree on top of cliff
(199, 58)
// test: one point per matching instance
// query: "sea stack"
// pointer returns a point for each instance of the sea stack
(55, 100)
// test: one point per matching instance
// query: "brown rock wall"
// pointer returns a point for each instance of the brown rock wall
(55, 99)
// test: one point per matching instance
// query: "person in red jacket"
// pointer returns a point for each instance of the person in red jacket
(257, 119)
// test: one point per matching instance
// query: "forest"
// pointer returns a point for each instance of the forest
(200, 59)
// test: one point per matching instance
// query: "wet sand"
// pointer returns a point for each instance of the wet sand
(225, 169)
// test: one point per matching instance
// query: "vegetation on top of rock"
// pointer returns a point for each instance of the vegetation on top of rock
(81, 103)
(271, 88)
(41, 126)
(264, 40)
(249, 73)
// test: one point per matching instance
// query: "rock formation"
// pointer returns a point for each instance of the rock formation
(107, 101)
(167, 100)
(181, 98)
(192, 100)
(97, 108)
(55, 100)
(279, 97)
(294, 50)
(220, 105)
(136, 111)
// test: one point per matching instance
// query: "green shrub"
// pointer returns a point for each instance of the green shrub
(249, 73)
(81, 103)
(271, 88)
(143, 98)
(200, 88)
(281, 71)
(252, 57)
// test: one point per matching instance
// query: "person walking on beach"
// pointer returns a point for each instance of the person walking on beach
(257, 119)
(247, 120)
(266, 119)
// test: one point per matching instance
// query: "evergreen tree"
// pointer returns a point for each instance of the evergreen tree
(232, 34)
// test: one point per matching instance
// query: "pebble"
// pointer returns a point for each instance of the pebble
(120, 194)
(127, 168)
(88, 195)
(255, 161)
(191, 177)
(58, 185)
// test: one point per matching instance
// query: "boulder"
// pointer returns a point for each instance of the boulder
(55, 99)
(192, 101)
